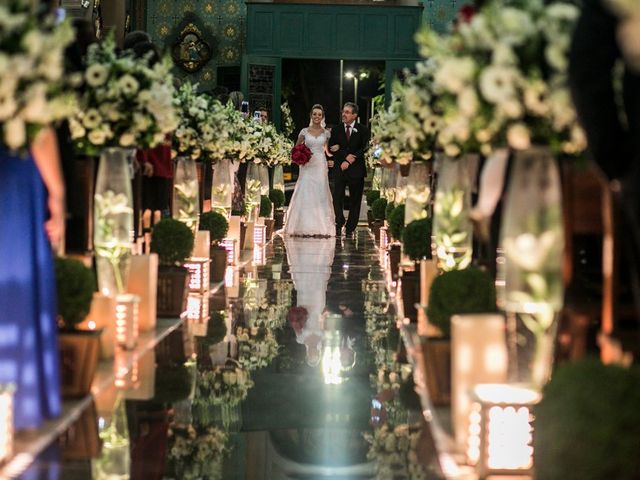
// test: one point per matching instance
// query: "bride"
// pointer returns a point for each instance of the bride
(311, 209)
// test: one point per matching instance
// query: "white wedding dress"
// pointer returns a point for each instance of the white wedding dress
(310, 212)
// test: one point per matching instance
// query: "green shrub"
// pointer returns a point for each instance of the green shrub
(588, 423)
(75, 285)
(378, 208)
(172, 240)
(217, 225)
(372, 196)
(389, 210)
(266, 206)
(277, 197)
(396, 222)
(173, 383)
(458, 292)
(216, 328)
(416, 239)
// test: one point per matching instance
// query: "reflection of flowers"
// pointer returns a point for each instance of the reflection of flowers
(451, 230)
(256, 347)
(222, 386)
(297, 318)
(394, 452)
(196, 454)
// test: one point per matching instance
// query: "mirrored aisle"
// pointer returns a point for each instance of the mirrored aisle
(291, 372)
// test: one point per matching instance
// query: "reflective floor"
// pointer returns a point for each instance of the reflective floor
(293, 389)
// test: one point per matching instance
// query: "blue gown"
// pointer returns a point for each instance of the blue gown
(28, 334)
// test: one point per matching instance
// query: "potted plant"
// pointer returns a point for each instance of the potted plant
(216, 331)
(588, 423)
(278, 199)
(416, 243)
(172, 240)
(378, 209)
(79, 349)
(470, 290)
(266, 212)
(218, 226)
(372, 196)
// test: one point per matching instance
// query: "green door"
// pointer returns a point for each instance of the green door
(261, 84)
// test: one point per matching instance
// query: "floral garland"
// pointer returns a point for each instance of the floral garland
(222, 386)
(196, 454)
(257, 347)
(33, 93)
(127, 103)
(194, 130)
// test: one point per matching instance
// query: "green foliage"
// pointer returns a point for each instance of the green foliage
(416, 239)
(372, 196)
(75, 286)
(396, 222)
(217, 225)
(378, 208)
(459, 292)
(389, 210)
(173, 383)
(277, 197)
(216, 328)
(172, 240)
(588, 423)
(266, 206)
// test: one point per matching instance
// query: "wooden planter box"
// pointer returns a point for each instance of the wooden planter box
(218, 257)
(173, 287)
(278, 217)
(437, 359)
(79, 352)
(376, 225)
(270, 224)
(395, 254)
(411, 293)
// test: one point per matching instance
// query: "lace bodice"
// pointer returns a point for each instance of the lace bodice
(315, 144)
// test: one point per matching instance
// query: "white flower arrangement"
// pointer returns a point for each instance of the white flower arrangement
(195, 132)
(33, 90)
(126, 102)
(264, 141)
(196, 454)
(228, 126)
(257, 347)
(501, 79)
(222, 386)
(393, 449)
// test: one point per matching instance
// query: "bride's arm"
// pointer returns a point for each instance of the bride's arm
(300, 137)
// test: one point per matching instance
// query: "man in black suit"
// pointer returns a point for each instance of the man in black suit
(347, 144)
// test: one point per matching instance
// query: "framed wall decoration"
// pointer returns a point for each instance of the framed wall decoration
(190, 51)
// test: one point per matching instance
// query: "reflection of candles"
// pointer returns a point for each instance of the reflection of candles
(229, 244)
(259, 234)
(197, 307)
(479, 355)
(141, 378)
(6, 422)
(127, 320)
(500, 429)
(199, 274)
(258, 255)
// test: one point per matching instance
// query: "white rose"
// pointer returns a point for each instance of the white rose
(468, 102)
(127, 139)
(96, 75)
(128, 85)
(76, 129)
(519, 137)
(454, 74)
(91, 119)
(497, 83)
(452, 150)
(97, 137)
(15, 133)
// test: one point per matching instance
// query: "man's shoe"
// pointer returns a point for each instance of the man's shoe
(350, 233)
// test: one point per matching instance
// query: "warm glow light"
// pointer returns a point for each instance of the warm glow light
(91, 324)
(331, 366)
(259, 256)
(6, 422)
(199, 274)
(259, 234)
(197, 307)
(503, 394)
(229, 244)
(127, 320)
(349, 75)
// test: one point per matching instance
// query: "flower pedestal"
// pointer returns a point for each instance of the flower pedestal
(219, 260)
(143, 282)
(278, 217)
(80, 351)
(452, 228)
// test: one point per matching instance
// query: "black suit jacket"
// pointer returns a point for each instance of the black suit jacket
(357, 144)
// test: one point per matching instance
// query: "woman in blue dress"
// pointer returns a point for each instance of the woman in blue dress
(31, 221)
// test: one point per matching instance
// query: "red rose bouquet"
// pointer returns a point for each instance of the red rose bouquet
(300, 155)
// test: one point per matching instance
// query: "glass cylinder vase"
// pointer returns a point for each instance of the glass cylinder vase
(113, 221)
(278, 178)
(376, 182)
(252, 191)
(418, 191)
(452, 228)
(222, 188)
(532, 244)
(186, 193)
(264, 179)
(388, 184)
(401, 189)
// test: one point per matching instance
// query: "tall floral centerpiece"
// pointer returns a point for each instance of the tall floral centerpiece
(33, 91)
(196, 453)
(127, 104)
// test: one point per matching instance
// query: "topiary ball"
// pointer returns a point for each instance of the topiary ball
(266, 206)
(416, 239)
(277, 197)
(172, 240)
(389, 210)
(588, 423)
(396, 222)
(217, 225)
(372, 196)
(458, 292)
(173, 383)
(216, 328)
(378, 208)
(75, 285)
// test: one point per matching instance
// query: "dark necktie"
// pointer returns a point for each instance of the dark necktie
(348, 127)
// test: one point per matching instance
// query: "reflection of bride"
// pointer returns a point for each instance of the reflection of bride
(310, 267)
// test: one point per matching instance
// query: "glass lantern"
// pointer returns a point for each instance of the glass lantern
(252, 191)
(278, 178)
(418, 191)
(186, 193)
(264, 179)
(222, 188)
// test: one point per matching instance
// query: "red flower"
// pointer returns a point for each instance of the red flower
(466, 13)
(300, 155)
